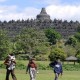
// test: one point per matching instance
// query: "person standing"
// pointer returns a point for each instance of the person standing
(32, 68)
(57, 67)
(10, 66)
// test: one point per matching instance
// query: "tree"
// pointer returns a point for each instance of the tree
(71, 41)
(78, 54)
(57, 52)
(52, 36)
(31, 41)
(70, 50)
(77, 36)
(5, 47)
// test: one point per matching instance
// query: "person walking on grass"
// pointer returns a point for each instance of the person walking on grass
(10, 66)
(32, 68)
(57, 67)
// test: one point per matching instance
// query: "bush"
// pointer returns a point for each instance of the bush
(41, 58)
(19, 65)
(43, 67)
(2, 66)
(22, 57)
(71, 67)
(57, 52)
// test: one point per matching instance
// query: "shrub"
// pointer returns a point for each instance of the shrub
(57, 52)
(43, 66)
(71, 67)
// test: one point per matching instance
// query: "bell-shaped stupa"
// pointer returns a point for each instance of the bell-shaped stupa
(43, 15)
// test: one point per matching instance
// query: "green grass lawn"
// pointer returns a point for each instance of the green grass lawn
(42, 75)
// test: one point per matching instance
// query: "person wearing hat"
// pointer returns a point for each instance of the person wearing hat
(32, 68)
(57, 67)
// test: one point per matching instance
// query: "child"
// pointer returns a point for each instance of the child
(32, 68)
(57, 68)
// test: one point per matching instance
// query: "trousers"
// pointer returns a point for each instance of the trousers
(32, 73)
(56, 76)
(12, 74)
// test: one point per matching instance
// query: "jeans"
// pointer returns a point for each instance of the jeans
(12, 74)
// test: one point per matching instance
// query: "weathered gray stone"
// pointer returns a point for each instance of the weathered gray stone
(43, 15)
(42, 21)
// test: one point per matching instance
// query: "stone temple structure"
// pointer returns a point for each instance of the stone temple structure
(42, 21)
(43, 15)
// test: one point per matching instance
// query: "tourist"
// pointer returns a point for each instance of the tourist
(10, 66)
(32, 68)
(57, 67)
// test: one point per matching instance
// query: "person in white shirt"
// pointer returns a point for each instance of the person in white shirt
(10, 66)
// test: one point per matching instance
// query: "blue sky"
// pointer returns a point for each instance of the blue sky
(24, 9)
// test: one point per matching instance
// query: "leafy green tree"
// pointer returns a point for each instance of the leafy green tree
(52, 36)
(70, 50)
(57, 52)
(31, 41)
(77, 36)
(5, 44)
(78, 54)
(71, 41)
(73, 45)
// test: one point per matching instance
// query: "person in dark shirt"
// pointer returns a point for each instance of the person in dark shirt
(57, 67)
(32, 68)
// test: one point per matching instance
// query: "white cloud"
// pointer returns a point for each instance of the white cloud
(10, 12)
(31, 12)
(64, 12)
(5, 9)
